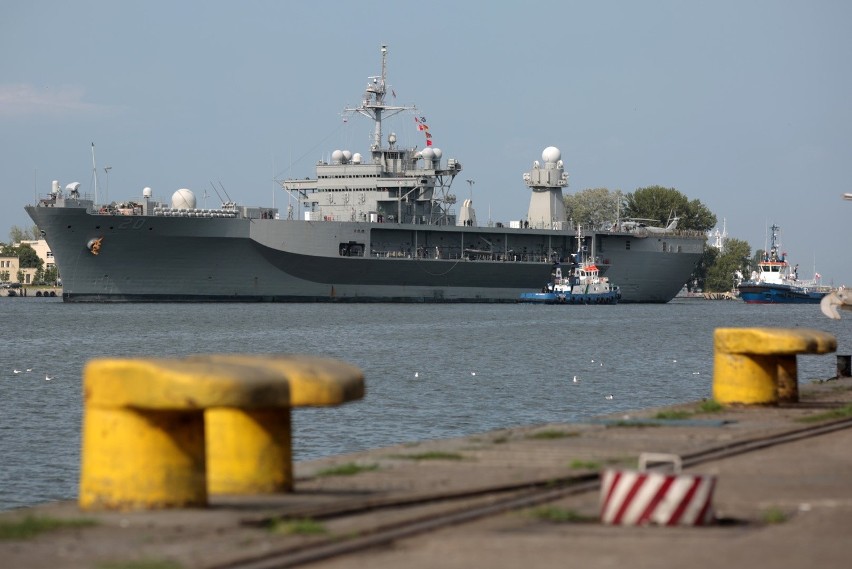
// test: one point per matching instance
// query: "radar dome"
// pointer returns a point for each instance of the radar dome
(337, 157)
(347, 155)
(392, 138)
(438, 153)
(427, 154)
(551, 154)
(146, 192)
(183, 199)
(356, 158)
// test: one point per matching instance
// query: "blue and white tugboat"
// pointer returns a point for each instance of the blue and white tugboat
(583, 283)
(776, 282)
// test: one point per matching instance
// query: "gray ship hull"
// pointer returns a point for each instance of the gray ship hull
(154, 258)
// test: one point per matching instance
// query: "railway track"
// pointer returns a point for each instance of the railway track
(441, 510)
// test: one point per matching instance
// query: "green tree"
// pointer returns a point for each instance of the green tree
(28, 258)
(51, 275)
(757, 257)
(659, 203)
(698, 280)
(18, 234)
(594, 208)
(735, 257)
(4, 276)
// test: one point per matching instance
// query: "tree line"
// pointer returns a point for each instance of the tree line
(603, 209)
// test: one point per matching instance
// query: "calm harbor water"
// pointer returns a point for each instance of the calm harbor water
(479, 367)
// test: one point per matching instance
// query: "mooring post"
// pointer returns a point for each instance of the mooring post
(843, 366)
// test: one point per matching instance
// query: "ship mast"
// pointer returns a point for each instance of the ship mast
(95, 173)
(373, 105)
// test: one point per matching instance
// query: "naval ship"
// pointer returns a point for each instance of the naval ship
(380, 228)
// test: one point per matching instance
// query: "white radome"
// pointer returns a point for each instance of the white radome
(551, 155)
(183, 199)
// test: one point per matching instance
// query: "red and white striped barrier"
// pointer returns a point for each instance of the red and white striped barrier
(630, 497)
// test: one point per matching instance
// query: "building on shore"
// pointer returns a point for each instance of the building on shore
(10, 267)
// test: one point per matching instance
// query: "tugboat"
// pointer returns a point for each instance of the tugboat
(776, 282)
(584, 283)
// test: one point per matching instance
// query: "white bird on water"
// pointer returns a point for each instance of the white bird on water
(473, 373)
(416, 374)
(608, 397)
(16, 371)
(29, 369)
(576, 379)
(47, 377)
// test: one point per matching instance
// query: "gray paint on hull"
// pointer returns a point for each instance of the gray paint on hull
(197, 260)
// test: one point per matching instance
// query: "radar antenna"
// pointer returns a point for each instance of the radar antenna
(373, 105)
(94, 173)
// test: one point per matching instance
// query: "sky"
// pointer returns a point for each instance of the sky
(743, 105)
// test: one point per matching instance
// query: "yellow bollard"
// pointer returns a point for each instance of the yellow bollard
(142, 459)
(143, 427)
(757, 366)
(247, 464)
(164, 433)
(248, 452)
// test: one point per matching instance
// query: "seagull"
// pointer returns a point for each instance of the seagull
(674, 361)
(416, 374)
(608, 397)
(839, 298)
(29, 369)
(47, 377)
(473, 373)
(16, 371)
(576, 379)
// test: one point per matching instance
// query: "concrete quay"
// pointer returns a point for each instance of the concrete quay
(783, 506)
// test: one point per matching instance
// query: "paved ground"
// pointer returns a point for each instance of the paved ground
(787, 506)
